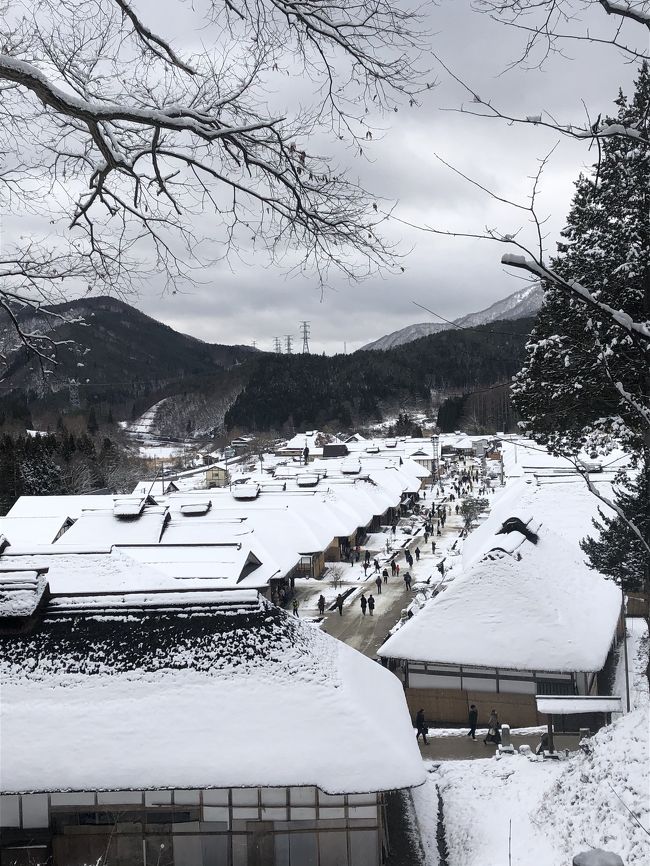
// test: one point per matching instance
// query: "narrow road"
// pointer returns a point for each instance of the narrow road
(367, 633)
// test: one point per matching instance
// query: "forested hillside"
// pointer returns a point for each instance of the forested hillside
(312, 391)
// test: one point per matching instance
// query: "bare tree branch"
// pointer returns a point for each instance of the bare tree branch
(130, 151)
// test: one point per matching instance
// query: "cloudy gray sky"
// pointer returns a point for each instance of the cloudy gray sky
(245, 302)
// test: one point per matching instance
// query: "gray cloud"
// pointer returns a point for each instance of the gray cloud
(255, 302)
(452, 276)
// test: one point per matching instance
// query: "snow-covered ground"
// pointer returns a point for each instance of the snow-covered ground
(501, 810)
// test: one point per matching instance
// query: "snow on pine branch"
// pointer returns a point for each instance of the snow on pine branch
(636, 329)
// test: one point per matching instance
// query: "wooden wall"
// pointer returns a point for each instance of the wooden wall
(451, 706)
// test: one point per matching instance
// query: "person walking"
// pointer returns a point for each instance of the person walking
(376, 564)
(407, 580)
(378, 584)
(473, 721)
(321, 605)
(417, 554)
(426, 535)
(364, 603)
(366, 556)
(384, 574)
(493, 735)
(397, 569)
(339, 603)
(366, 566)
(294, 605)
(421, 727)
(433, 547)
(371, 603)
(393, 567)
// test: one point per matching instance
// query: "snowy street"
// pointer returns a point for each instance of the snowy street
(367, 633)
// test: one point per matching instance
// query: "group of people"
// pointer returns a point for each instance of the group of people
(493, 735)
(368, 603)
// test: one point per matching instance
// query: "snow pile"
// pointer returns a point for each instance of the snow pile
(601, 800)
(485, 802)
(552, 808)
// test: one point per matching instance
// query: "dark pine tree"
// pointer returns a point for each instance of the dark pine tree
(584, 377)
(586, 382)
(92, 426)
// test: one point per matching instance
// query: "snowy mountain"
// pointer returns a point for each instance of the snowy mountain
(520, 304)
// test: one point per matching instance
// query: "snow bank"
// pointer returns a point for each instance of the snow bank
(557, 808)
(552, 808)
(601, 798)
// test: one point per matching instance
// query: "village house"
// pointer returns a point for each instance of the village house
(527, 618)
(191, 729)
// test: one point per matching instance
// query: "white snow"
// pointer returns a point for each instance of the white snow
(547, 611)
(321, 714)
(551, 809)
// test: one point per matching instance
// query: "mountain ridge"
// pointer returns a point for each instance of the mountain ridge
(519, 305)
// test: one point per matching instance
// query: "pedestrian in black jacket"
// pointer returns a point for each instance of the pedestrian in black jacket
(421, 727)
(371, 603)
(473, 721)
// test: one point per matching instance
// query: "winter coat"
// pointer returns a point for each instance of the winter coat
(473, 718)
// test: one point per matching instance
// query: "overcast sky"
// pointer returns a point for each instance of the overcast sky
(245, 303)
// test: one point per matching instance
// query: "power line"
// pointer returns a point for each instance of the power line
(289, 343)
(482, 329)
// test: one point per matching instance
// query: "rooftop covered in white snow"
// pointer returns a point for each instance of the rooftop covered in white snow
(233, 693)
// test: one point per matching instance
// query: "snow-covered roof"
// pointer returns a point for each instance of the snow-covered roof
(103, 527)
(546, 611)
(55, 506)
(562, 705)
(20, 592)
(102, 700)
(148, 568)
(31, 530)
(566, 507)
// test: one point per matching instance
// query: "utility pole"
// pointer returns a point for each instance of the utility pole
(277, 346)
(254, 344)
(305, 337)
(289, 343)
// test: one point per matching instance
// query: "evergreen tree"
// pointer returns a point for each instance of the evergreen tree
(584, 377)
(92, 426)
(585, 383)
(619, 552)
